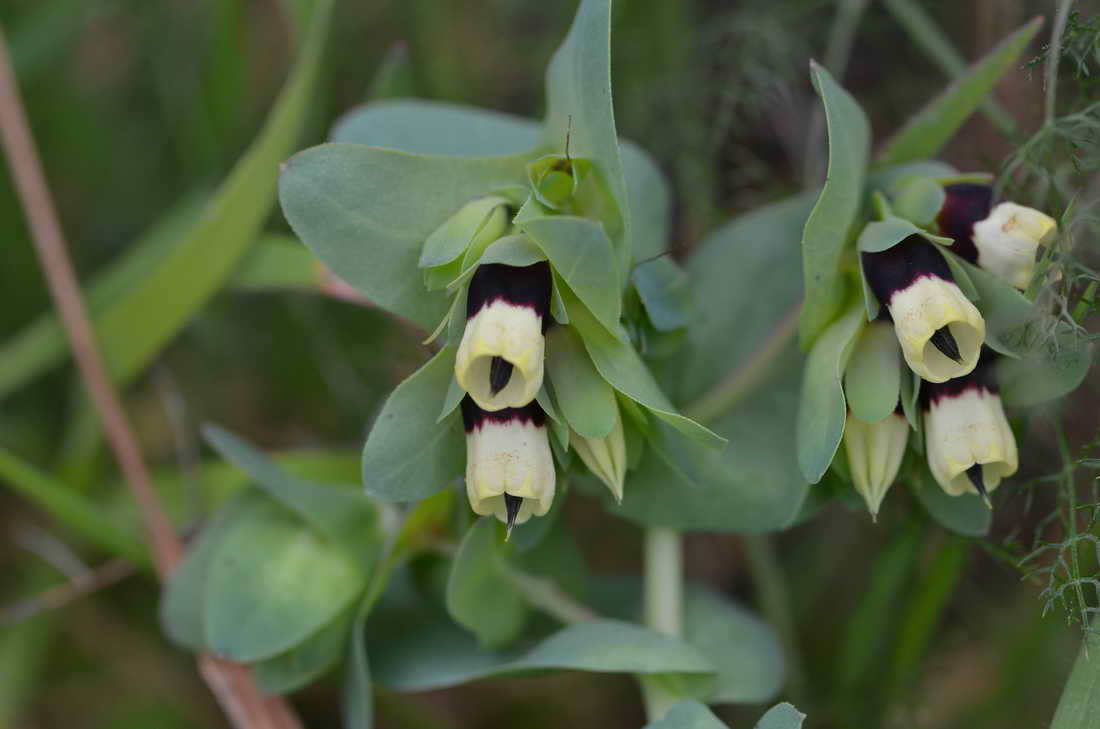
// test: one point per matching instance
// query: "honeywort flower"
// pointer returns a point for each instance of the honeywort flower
(969, 443)
(1003, 239)
(500, 359)
(874, 454)
(939, 330)
(605, 457)
(509, 467)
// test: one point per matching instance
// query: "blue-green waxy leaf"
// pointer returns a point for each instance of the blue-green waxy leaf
(437, 128)
(586, 400)
(743, 648)
(366, 213)
(581, 255)
(357, 706)
(182, 605)
(272, 582)
(665, 291)
(346, 516)
(687, 715)
(967, 514)
(926, 132)
(781, 716)
(448, 241)
(919, 200)
(511, 250)
(1048, 370)
(872, 379)
(305, 662)
(881, 235)
(578, 106)
(822, 411)
(649, 202)
(623, 368)
(480, 595)
(414, 647)
(1080, 702)
(409, 455)
(829, 226)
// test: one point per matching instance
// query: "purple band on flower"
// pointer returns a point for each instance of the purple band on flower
(474, 417)
(966, 204)
(523, 286)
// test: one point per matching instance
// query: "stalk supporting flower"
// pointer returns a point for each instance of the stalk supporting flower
(509, 467)
(969, 443)
(500, 359)
(940, 331)
(605, 457)
(874, 454)
(1003, 239)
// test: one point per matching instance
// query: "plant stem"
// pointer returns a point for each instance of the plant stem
(1054, 58)
(549, 598)
(664, 597)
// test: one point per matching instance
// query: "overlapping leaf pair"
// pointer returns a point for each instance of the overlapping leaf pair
(519, 263)
(942, 269)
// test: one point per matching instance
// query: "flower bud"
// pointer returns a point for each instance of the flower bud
(605, 457)
(500, 359)
(969, 443)
(509, 467)
(940, 331)
(1009, 239)
(874, 454)
(1003, 240)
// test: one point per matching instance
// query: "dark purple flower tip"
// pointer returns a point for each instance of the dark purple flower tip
(527, 286)
(966, 204)
(895, 269)
(473, 416)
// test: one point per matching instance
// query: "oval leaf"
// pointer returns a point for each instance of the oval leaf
(585, 398)
(480, 596)
(872, 379)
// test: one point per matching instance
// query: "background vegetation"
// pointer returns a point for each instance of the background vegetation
(138, 105)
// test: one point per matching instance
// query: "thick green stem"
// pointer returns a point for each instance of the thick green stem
(664, 600)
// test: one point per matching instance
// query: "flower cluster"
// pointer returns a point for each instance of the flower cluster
(941, 335)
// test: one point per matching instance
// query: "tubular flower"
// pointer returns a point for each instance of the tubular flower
(969, 443)
(940, 331)
(509, 468)
(1003, 239)
(605, 457)
(500, 359)
(874, 453)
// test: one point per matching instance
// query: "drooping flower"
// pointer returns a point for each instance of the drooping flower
(500, 359)
(1003, 239)
(509, 467)
(605, 457)
(874, 454)
(939, 329)
(968, 440)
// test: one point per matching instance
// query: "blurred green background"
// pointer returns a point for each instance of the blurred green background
(138, 104)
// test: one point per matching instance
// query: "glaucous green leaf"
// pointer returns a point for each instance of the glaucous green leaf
(619, 364)
(830, 223)
(822, 410)
(687, 715)
(182, 604)
(357, 705)
(919, 200)
(306, 662)
(345, 515)
(1046, 371)
(744, 649)
(650, 201)
(872, 379)
(890, 178)
(881, 235)
(272, 582)
(480, 595)
(449, 240)
(437, 128)
(581, 254)
(585, 398)
(966, 515)
(366, 213)
(511, 250)
(927, 131)
(279, 262)
(752, 485)
(579, 107)
(409, 454)
(961, 273)
(665, 291)
(781, 716)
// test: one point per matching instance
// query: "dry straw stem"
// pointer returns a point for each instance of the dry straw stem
(232, 684)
